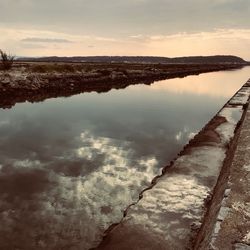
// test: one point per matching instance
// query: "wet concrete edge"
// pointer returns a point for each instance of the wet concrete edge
(203, 239)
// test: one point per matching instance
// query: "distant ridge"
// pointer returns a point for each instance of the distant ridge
(141, 59)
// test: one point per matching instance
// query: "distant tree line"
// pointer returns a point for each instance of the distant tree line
(142, 59)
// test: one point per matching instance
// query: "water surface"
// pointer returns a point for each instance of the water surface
(70, 166)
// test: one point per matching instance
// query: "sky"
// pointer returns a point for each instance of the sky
(125, 27)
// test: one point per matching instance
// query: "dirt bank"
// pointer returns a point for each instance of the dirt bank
(38, 81)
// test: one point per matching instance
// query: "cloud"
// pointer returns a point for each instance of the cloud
(65, 191)
(118, 17)
(217, 41)
(45, 40)
(106, 39)
(32, 46)
(184, 134)
(31, 42)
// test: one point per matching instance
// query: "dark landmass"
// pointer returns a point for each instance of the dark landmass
(38, 81)
(141, 59)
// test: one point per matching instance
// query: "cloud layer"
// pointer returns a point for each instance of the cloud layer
(44, 40)
(29, 42)
(132, 27)
(118, 16)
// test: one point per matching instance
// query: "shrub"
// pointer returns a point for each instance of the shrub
(6, 60)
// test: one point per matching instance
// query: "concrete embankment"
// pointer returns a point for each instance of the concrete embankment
(227, 224)
(232, 228)
(184, 207)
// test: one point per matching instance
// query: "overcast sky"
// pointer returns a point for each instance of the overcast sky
(125, 27)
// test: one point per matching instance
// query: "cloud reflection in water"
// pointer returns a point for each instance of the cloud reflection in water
(69, 167)
(61, 204)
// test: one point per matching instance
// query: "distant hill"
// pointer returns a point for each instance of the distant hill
(141, 59)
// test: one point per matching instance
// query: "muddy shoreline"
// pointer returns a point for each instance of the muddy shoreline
(22, 84)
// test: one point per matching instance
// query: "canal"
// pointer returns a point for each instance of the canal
(70, 166)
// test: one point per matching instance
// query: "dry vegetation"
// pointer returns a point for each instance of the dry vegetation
(107, 68)
(7, 60)
(50, 68)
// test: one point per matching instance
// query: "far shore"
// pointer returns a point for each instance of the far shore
(37, 81)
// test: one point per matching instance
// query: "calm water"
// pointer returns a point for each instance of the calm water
(70, 166)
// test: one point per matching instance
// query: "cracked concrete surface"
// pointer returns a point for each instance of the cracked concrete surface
(232, 230)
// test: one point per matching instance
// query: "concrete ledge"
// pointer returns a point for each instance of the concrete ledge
(232, 227)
